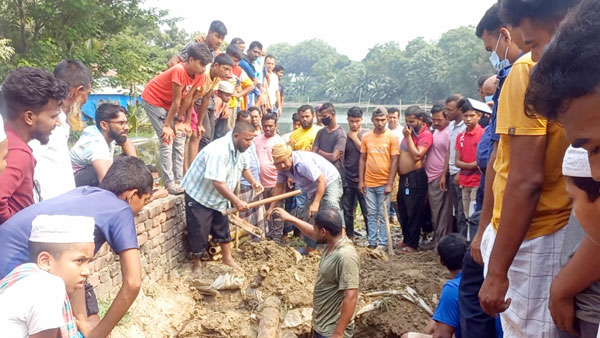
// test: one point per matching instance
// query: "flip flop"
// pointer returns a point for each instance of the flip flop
(175, 189)
(302, 251)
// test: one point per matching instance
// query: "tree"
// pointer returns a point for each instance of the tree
(467, 60)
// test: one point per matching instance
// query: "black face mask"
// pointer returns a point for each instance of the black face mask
(326, 121)
(484, 121)
(417, 129)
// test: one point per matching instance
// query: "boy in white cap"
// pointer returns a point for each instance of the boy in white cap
(34, 296)
(574, 294)
(3, 146)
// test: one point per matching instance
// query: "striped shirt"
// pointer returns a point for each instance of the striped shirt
(218, 161)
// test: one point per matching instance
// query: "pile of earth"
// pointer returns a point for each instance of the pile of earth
(176, 307)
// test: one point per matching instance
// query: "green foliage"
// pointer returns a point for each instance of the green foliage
(421, 72)
(108, 35)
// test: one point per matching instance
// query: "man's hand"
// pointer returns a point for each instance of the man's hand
(388, 189)
(313, 209)
(562, 308)
(167, 134)
(442, 182)
(241, 205)
(476, 248)
(492, 293)
(282, 214)
(361, 187)
(258, 188)
(201, 38)
(406, 131)
(85, 326)
(201, 130)
(456, 177)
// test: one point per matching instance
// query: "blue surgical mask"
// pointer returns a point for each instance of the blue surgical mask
(495, 59)
(489, 98)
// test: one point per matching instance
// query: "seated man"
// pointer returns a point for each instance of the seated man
(92, 154)
(55, 243)
(446, 318)
(113, 205)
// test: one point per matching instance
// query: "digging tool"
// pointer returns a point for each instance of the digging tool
(265, 201)
(386, 217)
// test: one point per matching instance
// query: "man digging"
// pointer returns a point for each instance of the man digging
(209, 186)
(336, 288)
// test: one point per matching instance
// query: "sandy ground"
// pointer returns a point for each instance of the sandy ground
(175, 307)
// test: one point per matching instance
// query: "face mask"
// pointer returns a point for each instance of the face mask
(326, 121)
(495, 59)
(489, 98)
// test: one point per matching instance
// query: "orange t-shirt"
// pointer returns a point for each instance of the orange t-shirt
(159, 91)
(379, 149)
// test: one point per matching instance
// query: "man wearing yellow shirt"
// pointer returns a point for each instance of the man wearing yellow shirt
(521, 249)
(303, 138)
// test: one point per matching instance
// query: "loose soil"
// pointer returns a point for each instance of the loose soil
(174, 307)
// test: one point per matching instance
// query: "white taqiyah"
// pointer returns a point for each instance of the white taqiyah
(226, 87)
(62, 229)
(576, 163)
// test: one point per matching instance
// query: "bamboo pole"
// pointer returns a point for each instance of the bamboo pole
(265, 201)
(386, 217)
(268, 326)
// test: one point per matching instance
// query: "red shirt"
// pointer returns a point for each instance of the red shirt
(423, 139)
(466, 143)
(16, 182)
(159, 91)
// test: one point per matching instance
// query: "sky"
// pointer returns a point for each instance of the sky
(352, 27)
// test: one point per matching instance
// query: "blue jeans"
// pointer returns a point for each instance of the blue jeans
(331, 200)
(375, 218)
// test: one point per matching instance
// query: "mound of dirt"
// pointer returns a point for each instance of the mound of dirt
(174, 307)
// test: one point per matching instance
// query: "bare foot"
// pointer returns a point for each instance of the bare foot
(232, 264)
(197, 269)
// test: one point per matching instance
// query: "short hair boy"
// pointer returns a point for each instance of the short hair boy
(34, 295)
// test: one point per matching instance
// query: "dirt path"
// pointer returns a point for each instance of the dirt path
(175, 308)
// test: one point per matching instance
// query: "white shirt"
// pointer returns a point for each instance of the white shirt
(90, 147)
(53, 173)
(398, 133)
(273, 88)
(455, 129)
(2, 132)
(31, 305)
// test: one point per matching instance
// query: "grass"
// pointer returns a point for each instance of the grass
(103, 307)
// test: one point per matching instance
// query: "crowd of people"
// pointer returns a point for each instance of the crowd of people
(503, 186)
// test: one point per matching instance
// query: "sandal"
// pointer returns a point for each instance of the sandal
(405, 250)
(175, 189)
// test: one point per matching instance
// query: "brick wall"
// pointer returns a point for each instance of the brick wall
(160, 226)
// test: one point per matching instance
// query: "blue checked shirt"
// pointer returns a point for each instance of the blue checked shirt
(218, 161)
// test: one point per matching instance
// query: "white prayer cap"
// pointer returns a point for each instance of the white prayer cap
(62, 229)
(576, 163)
(226, 87)
(2, 133)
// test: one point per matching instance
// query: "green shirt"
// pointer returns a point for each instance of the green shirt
(338, 271)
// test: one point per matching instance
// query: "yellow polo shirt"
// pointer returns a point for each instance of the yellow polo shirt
(554, 207)
(303, 139)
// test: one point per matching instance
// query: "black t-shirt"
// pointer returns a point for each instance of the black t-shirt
(329, 142)
(351, 160)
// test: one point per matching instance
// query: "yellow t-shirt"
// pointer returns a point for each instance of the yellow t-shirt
(209, 83)
(303, 139)
(554, 207)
